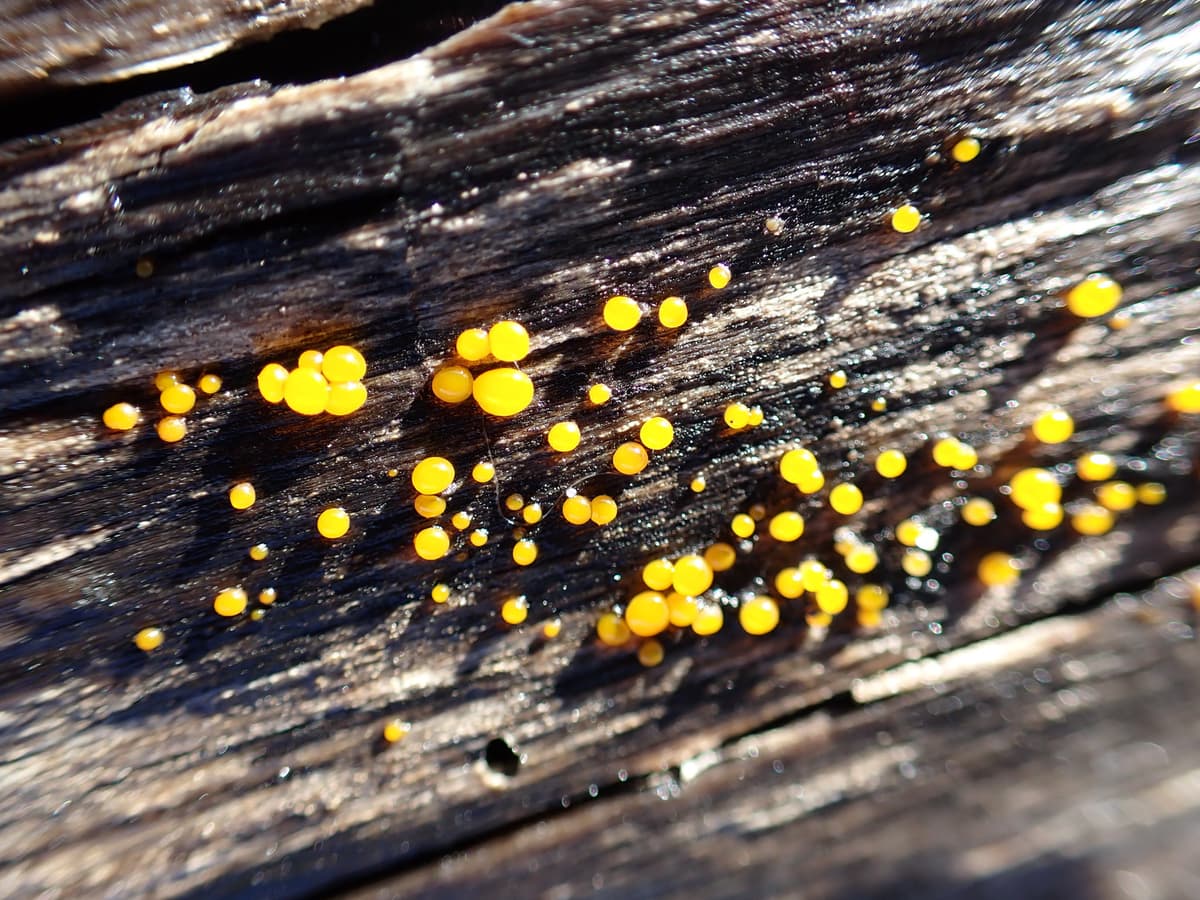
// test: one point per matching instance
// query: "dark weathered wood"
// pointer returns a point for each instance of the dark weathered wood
(529, 167)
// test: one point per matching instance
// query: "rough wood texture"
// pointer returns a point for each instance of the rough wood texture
(529, 167)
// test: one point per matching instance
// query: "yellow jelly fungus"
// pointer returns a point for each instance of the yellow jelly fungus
(342, 363)
(267, 596)
(502, 392)
(1151, 493)
(908, 531)
(773, 225)
(1092, 519)
(440, 593)
(838, 379)
(916, 563)
(612, 630)
(621, 313)
(693, 575)
(657, 433)
(509, 341)
(1116, 495)
(164, 380)
(719, 276)
(978, 511)
(871, 596)
(514, 502)
(818, 620)
(672, 312)
(514, 611)
(461, 520)
(720, 556)
(577, 510)
(811, 483)
(737, 416)
(742, 525)
(148, 639)
(832, 597)
(604, 509)
(814, 575)
(345, 397)
(259, 552)
(306, 391)
(473, 345)
(429, 506)
(230, 602)
(178, 399)
(1034, 487)
(452, 384)
(121, 416)
(599, 394)
(1053, 426)
(333, 522)
(1044, 517)
(630, 458)
(271, 381)
(210, 384)
(846, 498)
(1185, 399)
(698, 484)
(951, 453)
(1120, 322)
(1096, 467)
(651, 654)
(524, 552)
(171, 429)
(786, 526)
(709, 619)
(891, 463)
(879, 404)
(758, 615)
(796, 465)
(756, 417)
(552, 629)
(395, 731)
(483, 472)
(432, 475)
(869, 618)
(392, 473)
(862, 559)
(532, 514)
(906, 218)
(658, 574)
(478, 537)
(965, 149)
(258, 614)
(682, 609)
(311, 359)
(431, 542)
(1096, 295)
(563, 436)
(998, 569)
(647, 614)
(242, 495)
(789, 583)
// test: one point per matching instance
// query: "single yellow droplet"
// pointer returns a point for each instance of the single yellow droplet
(599, 394)
(1095, 467)
(647, 614)
(797, 465)
(787, 526)
(997, 569)
(343, 363)
(916, 563)
(259, 552)
(524, 552)
(651, 653)
(514, 502)
(432, 475)
(552, 629)
(1116, 495)
(431, 542)
(846, 498)
(1053, 426)
(788, 583)
(832, 597)
(621, 313)
(710, 618)
(742, 525)
(871, 596)
(267, 596)
(429, 506)
(333, 522)
(478, 537)
(515, 610)
(164, 380)
(908, 531)
(906, 218)
(461, 520)
(242, 495)
(814, 575)
(171, 429)
(811, 483)
(483, 472)
(1185, 399)
(756, 417)
(758, 615)
(672, 312)
(838, 379)
(509, 341)
(532, 514)
(891, 463)
(149, 639)
(440, 593)
(311, 359)
(306, 391)
(1151, 493)
(577, 510)
(657, 433)
(1092, 519)
(230, 602)
(658, 573)
(121, 416)
(1120, 322)
(862, 559)
(978, 511)
(965, 149)
(630, 458)
(345, 397)
(773, 225)
(698, 484)
(563, 436)
(683, 609)
(452, 384)
(473, 345)
(693, 575)
(1045, 517)
(720, 556)
(178, 399)
(604, 509)
(395, 731)
(210, 384)
(869, 618)
(1096, 295)
(719, 276)
(271, 381)
(612, 630)
(737, 416)
(502, 392)
(1031, 488)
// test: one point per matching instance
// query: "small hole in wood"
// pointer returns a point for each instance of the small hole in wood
(501, 758)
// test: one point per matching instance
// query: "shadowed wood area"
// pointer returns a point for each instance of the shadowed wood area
(1014, 739)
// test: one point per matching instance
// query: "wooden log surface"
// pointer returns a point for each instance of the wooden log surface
(529, 167)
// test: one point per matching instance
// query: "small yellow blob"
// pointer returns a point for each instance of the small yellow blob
(693, 575)
(172, 429)
(509, 341)
(737, 416)
(432, 475)
(1053, 426)
(333, 522)
(343, 363)
(1043, 517)
(719, 276)
(814, 575)
(1151, 493)
(552, 629)
(621, 313)
(965, 149)
(429, 506)
(906, 218)
(978, 511)
(1096, 295)
(846, 498)
(657, 433)
(908, 531)
(951, 453)
(879, 404)
(838, 379)
(758, 615)
(869, 618)
(452, 384)
(604, 509)
(267, 596)
(311, 359)
(599, 394)
(440, 593)
(431, 542)
(1096, 467)
(242, 495)
(630, 458)
(658, 574)
(786, 526)
(345, 397)
(259, 552)
(577, 510)
(891, 463)
(709, 619)
(997, 569)
(478, 537)
(742, 525)
(271, 381)
(788, 583)
(612, 630)
(524, 552)
(862, 559)
(651, 653)
(797, 465)
(210, 384)
(1185, 399)
(683, 609)
(698, 484)
(306, 391)
(1030, 488)
(871, 596)
(178, 399)
(395, 731)
(916, 563)
(121, 416)
(230, 602)
(1092, 519)
(514, 611)
(148, 639)
(818, 620)
(532, 514)
(514, 502)
(563, 436)
(773, 225)
(720, 556)
(832, 597)
(473, 345)
(503, 392)
(461, 520)
(483, 472)
(164, 380)
(647, 614)
(1120, 322)
(672, 312)
(1116, 495)
(392, 473)
(756, 417)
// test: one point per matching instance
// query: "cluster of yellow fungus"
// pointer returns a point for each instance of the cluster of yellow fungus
(951, 453)
(579, 510)
(739, 416)
(622, 313)
(329, 382)
(501, 391)
(800, 467)
(176, 398)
